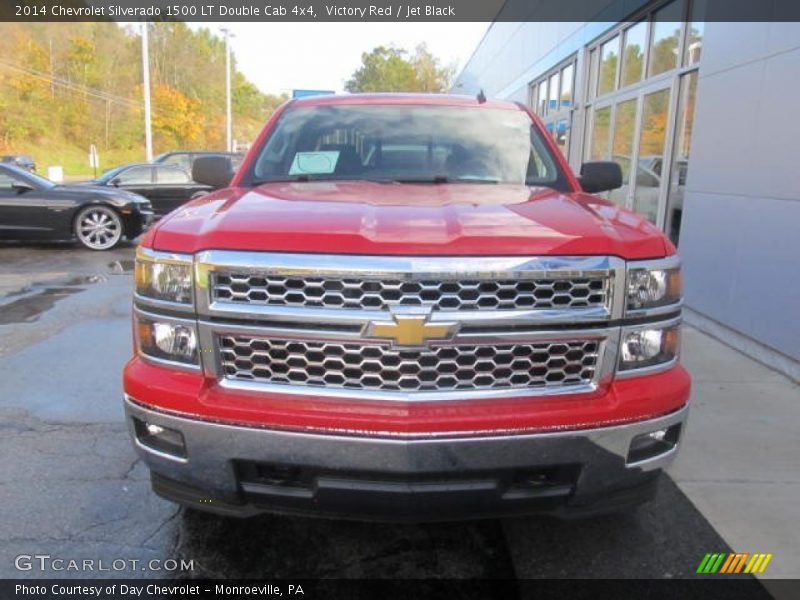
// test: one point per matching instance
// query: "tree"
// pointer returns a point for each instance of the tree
(178, 123)
(388, 69)
(431, 76)
(64, 86)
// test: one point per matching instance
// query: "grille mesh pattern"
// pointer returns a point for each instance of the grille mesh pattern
(319, 292)
(382, 368)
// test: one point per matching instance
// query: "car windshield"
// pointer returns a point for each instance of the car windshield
(407, 144)
(32, 178)
(42, 182)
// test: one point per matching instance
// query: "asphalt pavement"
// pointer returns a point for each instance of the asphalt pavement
(72, 486)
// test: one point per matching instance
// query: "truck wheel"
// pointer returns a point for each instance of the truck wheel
(98, 227)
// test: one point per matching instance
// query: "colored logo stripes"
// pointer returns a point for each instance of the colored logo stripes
(734, 562)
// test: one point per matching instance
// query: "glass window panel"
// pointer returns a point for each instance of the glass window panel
(633, 53)
(136, 176)
(600, 133)
(609, 56)
(179, 160)
(567, 77)
(171, 176)
(694, 33)
(562, 131)
(665, 38)
(622, 147)
(542, 98)
(680, 158)
(652, 142)
(552, 105)
(7, 180)
(592, 83)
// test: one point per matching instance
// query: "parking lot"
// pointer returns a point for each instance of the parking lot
(72, 486)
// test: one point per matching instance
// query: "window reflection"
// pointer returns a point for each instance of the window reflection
(592, 83)
(694, 33)
(552, 105)
(542, 99)
(652, 142)
(622, 148)
(633, 54)
(665, 38)
(600, 133)
(567, 76)
(561, 133)
(680, 159)
(609, 56)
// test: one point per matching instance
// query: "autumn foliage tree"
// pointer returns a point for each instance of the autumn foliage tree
(64, 86)
(388, 69)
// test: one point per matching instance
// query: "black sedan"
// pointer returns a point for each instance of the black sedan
(35, 208)
(167, 187)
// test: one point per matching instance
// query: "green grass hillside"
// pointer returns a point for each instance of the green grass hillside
(65, 86)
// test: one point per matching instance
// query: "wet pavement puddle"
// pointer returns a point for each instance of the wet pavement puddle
(32, 302)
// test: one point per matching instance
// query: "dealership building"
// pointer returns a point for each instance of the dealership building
(701, 117)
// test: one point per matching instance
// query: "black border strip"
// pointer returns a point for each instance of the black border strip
(379, 10)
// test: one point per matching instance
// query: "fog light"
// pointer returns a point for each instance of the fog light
(161, 439)
(654, 443)
(153, 429)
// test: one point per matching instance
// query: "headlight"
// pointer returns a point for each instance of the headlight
(648, 346)
(166, 339)
(164, 276)
(654, 285)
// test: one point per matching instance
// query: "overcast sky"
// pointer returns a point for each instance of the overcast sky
(280, 57)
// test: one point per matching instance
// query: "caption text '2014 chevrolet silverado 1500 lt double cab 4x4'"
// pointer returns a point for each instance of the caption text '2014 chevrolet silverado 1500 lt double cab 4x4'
(406, 307)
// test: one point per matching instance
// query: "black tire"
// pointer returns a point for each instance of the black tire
(98, 227)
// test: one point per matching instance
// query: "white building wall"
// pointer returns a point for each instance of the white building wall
(740, 237)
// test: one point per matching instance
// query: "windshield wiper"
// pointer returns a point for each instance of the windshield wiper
(436, 179)
(439, 179)
(290, 179)
(307, 178)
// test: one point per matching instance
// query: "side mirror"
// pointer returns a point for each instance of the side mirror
(600, 176)
(21, 187)
(215, 171)
(115, 182)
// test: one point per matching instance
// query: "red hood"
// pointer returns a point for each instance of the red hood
(426, 219)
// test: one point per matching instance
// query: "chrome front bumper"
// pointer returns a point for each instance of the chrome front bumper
(402, 479)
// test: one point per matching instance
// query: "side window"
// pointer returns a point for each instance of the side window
(183, 161)
(172, 176)
(541, 168)
(136, 176)
(6, 181)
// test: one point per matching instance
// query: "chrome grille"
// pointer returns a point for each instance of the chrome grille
(467, 294)
(384, 368)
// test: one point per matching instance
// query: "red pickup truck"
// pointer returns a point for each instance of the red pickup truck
(406, 307)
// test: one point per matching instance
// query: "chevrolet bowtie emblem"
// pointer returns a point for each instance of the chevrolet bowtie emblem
(410, 330)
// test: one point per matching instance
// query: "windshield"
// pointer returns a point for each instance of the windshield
(37, 180)
(407, 144)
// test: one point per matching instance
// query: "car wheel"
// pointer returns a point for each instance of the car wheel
(98, 228)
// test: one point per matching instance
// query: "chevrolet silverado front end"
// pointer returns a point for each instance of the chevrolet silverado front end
(406, 308)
